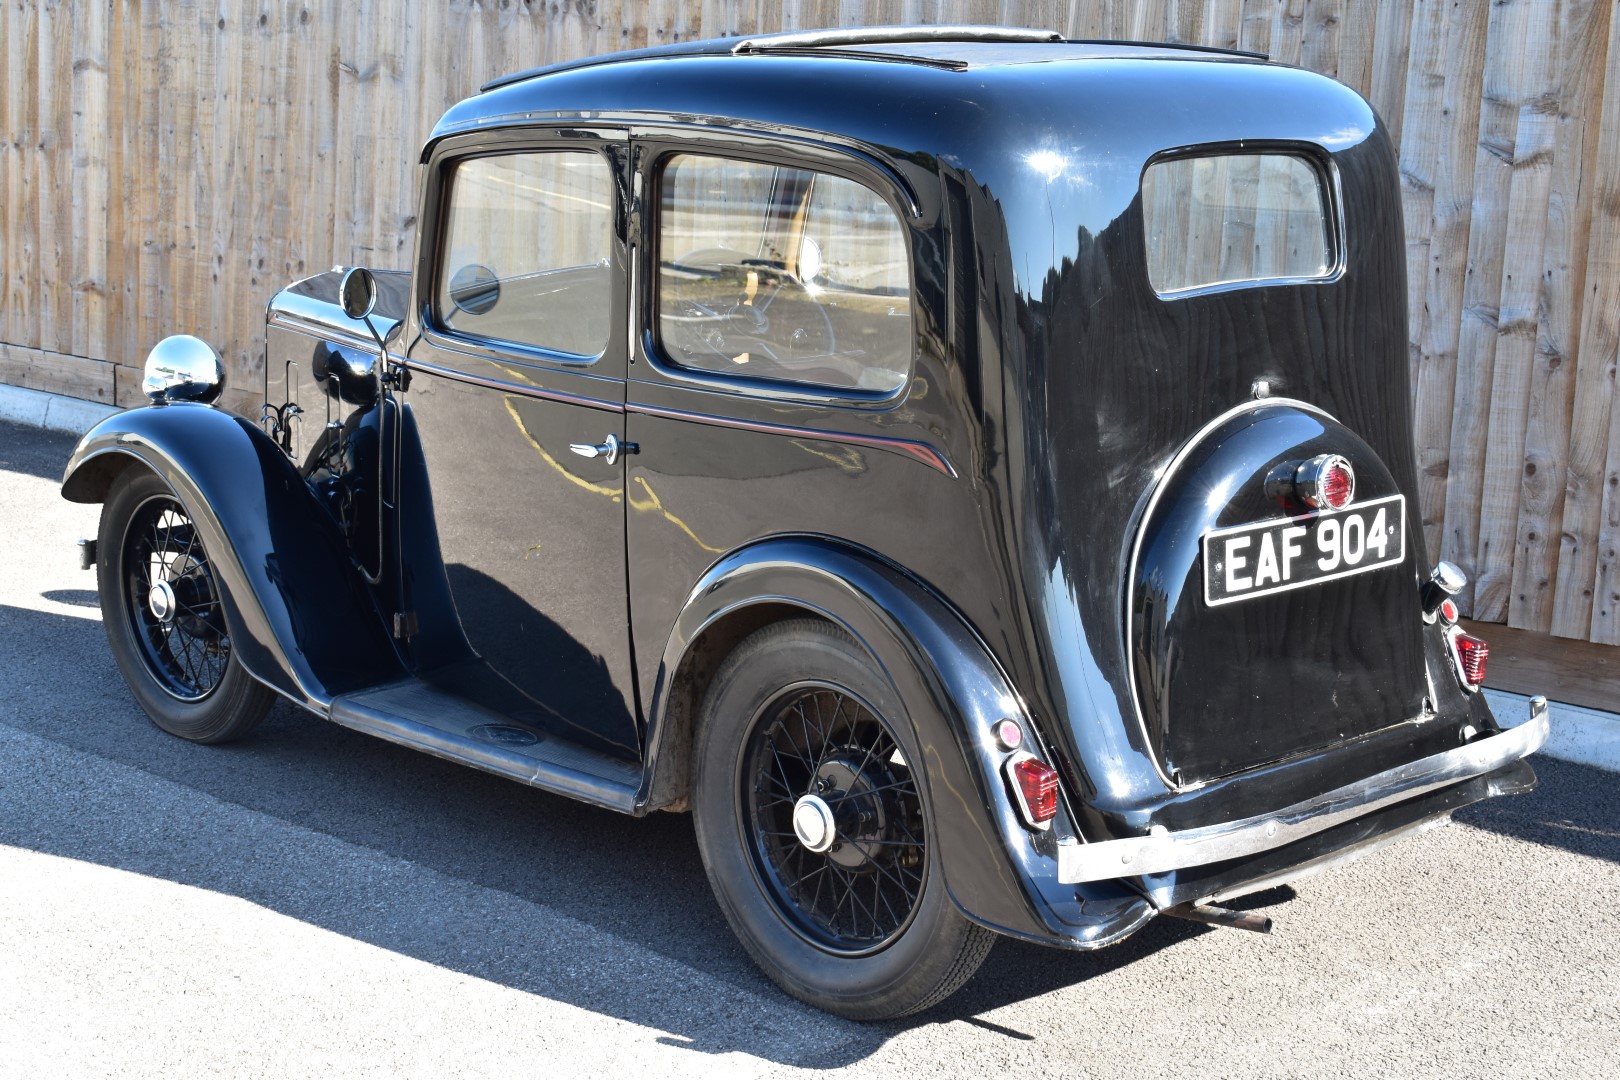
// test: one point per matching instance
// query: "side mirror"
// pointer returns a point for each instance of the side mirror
(358, 293)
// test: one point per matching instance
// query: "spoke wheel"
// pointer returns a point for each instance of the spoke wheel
(814, 823)
(172, 601)
(164, 611)
(835, 819)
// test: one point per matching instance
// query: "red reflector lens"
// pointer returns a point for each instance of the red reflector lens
(1472, 652)
(1038, 783)
(1338, 485)
(1448, 610)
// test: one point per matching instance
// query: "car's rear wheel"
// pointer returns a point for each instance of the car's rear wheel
(164, 614)
(815, 829)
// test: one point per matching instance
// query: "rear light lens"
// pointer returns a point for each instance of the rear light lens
(1009, 736)
(1035, 786)
(1325, 482)
(1472, 653)
(1338, 485)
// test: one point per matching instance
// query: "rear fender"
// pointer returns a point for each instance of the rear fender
(997, 872)
(301, 619)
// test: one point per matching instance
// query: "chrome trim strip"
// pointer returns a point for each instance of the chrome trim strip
(919, 450)
(892, 35)
(1159, 485)
(287, 320)
(516, 388)
(1163, 851)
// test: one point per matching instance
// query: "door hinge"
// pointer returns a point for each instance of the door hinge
(404, 625)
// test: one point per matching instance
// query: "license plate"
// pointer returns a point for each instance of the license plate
(1265, 557)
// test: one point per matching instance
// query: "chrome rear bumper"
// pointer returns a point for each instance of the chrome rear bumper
(1162, 850)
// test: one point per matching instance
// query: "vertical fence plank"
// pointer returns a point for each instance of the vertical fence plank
(1482, 290)
(1358, 36)
(1288, 31)
(21, 114)
(91, 135)
(216, 187)
(54, 269)
(1600, 339)
(1547, 433)
(118, 270)
(1518, 319)
(1254, 32)
(1575, 608)
(1319, 41)
(1508, 470)
(1223, 23)
(1461, 41)
(1422, 114)
(1391, 57)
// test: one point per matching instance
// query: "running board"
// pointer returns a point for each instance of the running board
(422, 717)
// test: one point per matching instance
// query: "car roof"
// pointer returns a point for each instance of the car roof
(958, 47)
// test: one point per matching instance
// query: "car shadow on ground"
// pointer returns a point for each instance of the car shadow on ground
(640, 881)
(1574, 807)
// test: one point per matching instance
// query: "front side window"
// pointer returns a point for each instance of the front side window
(528, 250)
(772, 272)
(1228, 220)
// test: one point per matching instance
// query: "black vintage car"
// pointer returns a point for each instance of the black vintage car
(968, 470)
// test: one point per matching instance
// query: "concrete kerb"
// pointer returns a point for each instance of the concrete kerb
(53, 412)
(1584, 736)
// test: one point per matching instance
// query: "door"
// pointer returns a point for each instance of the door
(517, 376)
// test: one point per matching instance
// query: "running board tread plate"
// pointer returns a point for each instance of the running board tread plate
(422, 717)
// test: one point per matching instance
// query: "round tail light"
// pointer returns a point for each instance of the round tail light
(1326, 482)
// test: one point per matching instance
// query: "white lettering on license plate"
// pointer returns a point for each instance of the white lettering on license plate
(1265, 557)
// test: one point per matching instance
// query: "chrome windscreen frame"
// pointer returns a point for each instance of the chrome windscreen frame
(1161, 850)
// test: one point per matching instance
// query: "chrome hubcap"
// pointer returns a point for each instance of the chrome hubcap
(813, 823)
(160, 598)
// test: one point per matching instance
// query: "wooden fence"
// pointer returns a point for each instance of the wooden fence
(166, 166)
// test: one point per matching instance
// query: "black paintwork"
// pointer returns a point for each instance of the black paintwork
(976, 531)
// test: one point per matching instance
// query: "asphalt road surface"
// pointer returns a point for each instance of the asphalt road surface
(311, 901)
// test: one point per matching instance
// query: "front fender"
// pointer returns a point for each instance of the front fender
(997, 872)
(300, 618)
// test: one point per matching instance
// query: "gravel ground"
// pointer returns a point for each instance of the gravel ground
(311, 901)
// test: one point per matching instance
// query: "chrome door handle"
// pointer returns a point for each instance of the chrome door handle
(609, 448)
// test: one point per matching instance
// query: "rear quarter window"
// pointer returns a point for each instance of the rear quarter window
(1217, 221)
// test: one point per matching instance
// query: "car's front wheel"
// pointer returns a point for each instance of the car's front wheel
(164, 614)
(814, 825)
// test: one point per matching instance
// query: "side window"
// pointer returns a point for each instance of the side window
(772, 272)
(1235, 219)
(527, 251)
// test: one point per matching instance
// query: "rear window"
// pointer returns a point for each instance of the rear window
(1231, 220)
(784, 274)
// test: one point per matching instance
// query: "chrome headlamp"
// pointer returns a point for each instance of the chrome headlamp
(183, 368)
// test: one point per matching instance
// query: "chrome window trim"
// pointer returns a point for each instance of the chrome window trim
(1161, 851)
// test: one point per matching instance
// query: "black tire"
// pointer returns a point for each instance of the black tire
(180, 666)
(799, 710)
